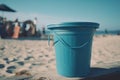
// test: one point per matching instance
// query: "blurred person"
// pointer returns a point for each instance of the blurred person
(16, 30)
(3, 32)
(35, 24)
(35, 21)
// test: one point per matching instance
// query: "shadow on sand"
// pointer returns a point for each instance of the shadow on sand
(103, 74)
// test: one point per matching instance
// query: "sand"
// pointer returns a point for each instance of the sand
(33, 59)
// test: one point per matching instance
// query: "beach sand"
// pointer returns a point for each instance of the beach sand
(33, 59)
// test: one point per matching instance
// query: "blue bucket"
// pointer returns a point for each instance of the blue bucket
(73, 43)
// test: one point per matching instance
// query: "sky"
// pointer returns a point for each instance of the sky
(104, 12)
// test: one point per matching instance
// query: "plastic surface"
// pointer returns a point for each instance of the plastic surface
(73, 49)
(74, 24)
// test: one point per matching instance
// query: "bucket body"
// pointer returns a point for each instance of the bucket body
(73, 48)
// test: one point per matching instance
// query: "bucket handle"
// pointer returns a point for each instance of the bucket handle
(64, 43)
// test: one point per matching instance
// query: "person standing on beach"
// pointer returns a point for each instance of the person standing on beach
(3, 32)
(35, 24)
(35, 21)
(16, 29)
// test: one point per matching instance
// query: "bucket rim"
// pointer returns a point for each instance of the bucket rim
(74, 24)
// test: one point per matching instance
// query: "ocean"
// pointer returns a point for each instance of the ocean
(114, 32)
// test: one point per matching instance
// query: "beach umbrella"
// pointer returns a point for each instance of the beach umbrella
(4, 7)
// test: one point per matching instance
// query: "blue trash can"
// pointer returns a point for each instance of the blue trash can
(73, 43)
